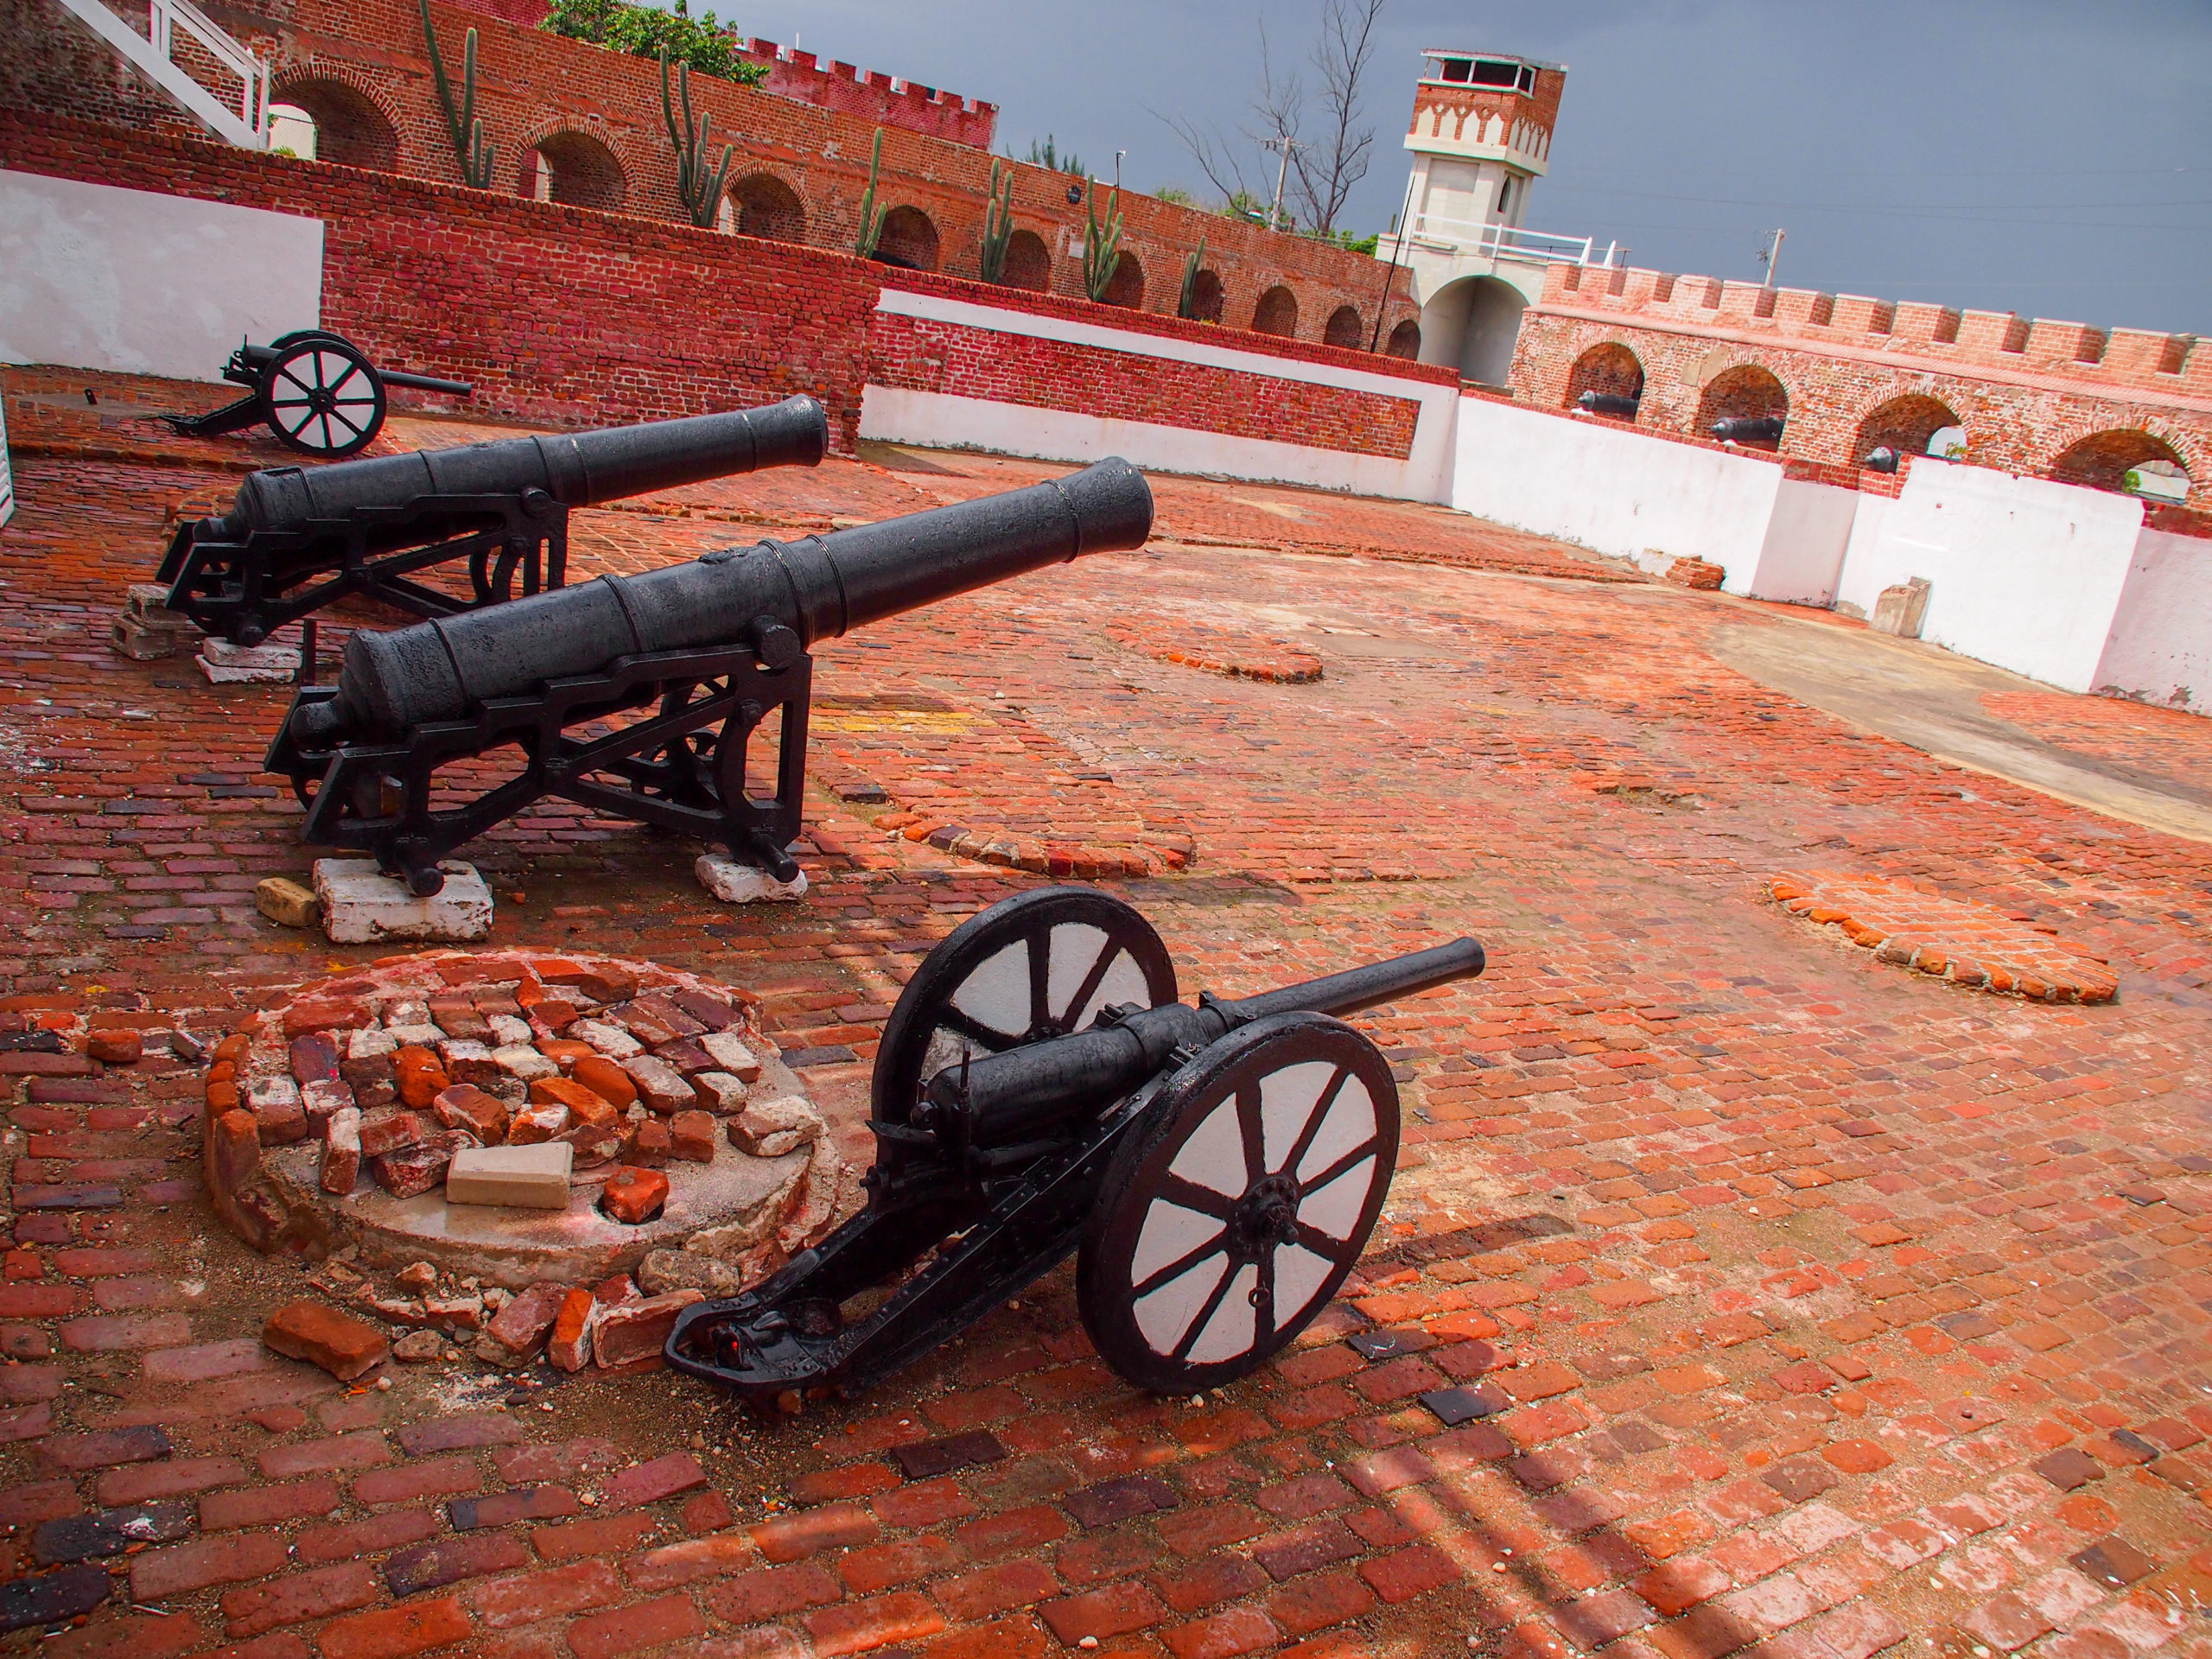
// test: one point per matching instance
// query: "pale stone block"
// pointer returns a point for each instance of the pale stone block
(729, 1054)
(369, 1042)
(286, 902)
(612, 1041)
(522, 1062)
(528, 1177)
(418, 1034)
(225, 663)
(362, 906)
(770, 1128)
(737, 883)
(719, 1092)
(507, 1031)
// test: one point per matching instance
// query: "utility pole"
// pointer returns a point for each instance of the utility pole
(1285, 143)
(1117, 173)
(1772, 255)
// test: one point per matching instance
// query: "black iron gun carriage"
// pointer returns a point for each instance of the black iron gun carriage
(298, 539)
(715, 649)
(316, 391)
(1040, 1090)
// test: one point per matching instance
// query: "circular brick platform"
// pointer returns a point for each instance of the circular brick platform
(1912, 924)
(1230, 651)
(520, 1027)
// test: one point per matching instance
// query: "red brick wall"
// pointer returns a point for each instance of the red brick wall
(2025, 390)
(533, 85)
(565, 315)
(922, 354)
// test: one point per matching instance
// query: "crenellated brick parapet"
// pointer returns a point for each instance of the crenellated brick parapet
(873, 96)
(1849, 373)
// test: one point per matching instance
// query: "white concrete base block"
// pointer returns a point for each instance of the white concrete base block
(361, 905)
(225, 663)
(737, 883)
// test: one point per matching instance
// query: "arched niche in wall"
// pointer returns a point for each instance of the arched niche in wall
(764, 205)
(2103, 460)
(1125, 288)
(1902, 426)
(1611, 371)
(1745, 392)
(1206, 296)
(1028, 263)
(909, 240)
(1345, 329)
(574, 169)
(1472, 325)
(1405, 342)
(1276, 313)
(348, 127)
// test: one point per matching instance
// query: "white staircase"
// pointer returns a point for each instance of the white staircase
(247, 126)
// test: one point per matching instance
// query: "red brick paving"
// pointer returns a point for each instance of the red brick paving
(1821, 1309)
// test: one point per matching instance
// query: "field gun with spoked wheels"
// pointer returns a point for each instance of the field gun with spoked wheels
(1216, 1169)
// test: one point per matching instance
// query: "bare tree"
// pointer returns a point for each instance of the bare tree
(1329, 167)
(1324, 170)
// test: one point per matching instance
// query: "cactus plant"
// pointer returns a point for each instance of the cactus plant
(1102, 245)
(463, 126)
(700, 191)
(1187, 305)
(872, 216)
(998, 226)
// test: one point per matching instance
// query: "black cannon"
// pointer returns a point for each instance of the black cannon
(1880, 459)
(1040, 1090)
(316, 391)
(1609, 402)
(716, 647)
(298, 539)
(1749, 429)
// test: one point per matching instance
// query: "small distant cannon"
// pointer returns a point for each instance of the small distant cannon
(1609, 402)
(714, 647)
(297, 539)
(316, 391)
(1881, 459)
(1039, 1092)
(1749, 429)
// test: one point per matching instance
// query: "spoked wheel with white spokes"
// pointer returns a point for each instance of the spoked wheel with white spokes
(324, 398)
(1220, 1233)
(1036, 965)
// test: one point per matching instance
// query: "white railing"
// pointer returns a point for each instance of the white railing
(247, 126)
(1492, 240)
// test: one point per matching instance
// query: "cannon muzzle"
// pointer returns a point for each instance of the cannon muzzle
(777, 598)
(1748, 429)
(576, 469)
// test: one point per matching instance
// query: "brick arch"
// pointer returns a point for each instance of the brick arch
(2100, 460)
(1028, 263)
(909, 240)
(1207, 299)
(356, 122)
(596, 186)
(1345, 329)
(1276, 313)
(1902, 425)
(1125, 288)
(1405, 342)
(1611, 370)
(766, 206)
(1743, 391)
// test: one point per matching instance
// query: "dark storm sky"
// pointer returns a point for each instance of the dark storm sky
(2034, 156)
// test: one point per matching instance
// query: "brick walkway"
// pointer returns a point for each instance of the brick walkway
(1811, 1308)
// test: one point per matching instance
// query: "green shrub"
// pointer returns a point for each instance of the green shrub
(642, 32)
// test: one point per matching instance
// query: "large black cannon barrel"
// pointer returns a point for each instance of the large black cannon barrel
(1010, 1097)
(778, 597)
(1748, 429)
(576, 469)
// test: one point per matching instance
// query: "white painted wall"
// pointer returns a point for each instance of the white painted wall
(96, 277)
(1866, 532)
(2160, 648)
(1612, 488)
(2022, 573)
(7, 474)
(1802, 558)
(893, 414)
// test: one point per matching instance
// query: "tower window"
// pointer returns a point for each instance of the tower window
(1456, 68)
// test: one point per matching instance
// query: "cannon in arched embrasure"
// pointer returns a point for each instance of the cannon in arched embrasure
(1038, 1091)
(297, 539)
(714, 648)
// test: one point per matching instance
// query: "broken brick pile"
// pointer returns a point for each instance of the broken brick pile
(1911, 924)
(393, 1070)
(1235, 652)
